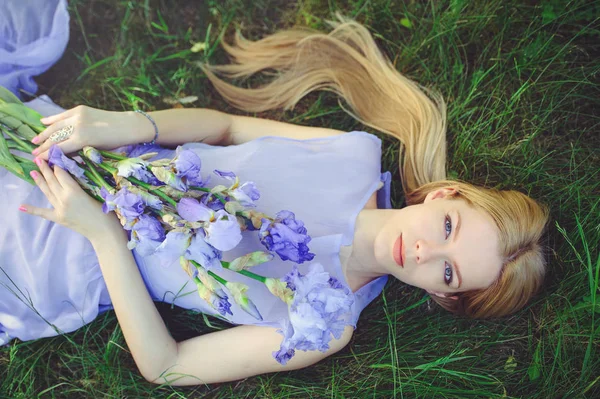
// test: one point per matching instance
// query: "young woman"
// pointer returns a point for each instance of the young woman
(475, 250)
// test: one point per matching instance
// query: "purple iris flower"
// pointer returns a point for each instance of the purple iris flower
(167, 176)
(187, 165)
(147, 234)
(204, 253)
(129, 205)
(93, 155)
(137, 168)
(151, 200)
(224, 233)
(57, 158)
(220, 304)
(213, 203)
(173, 247)
(223, 230)
(320, 308)
(225, 174)
(193, 211)
(287, 237)
(246, 194)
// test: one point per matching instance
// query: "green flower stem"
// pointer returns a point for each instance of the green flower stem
(207, 190)
(213, 275)
(218, 278)
(96, 197)
(246, 273)
(92, 177)
(140, 183)
(153, 191)
(112, 155)
(108, 168)
(23, 144)
(21, 159)
(99, 180)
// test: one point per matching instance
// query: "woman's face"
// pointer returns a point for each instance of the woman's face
(445, 244)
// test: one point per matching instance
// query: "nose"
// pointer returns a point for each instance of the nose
(425, 251)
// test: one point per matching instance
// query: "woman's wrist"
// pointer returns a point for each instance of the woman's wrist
(142, 129)
(109, 230)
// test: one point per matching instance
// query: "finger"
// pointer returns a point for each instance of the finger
(65, 179)
(49, 120)
(50, 178)
(45, 213)
(68, 146)
(43, 185)
(44, 137)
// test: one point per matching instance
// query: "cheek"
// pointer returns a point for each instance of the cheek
(426, 276)
(426, 225)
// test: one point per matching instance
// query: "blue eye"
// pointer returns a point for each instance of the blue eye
(448, 226)
(447, 274)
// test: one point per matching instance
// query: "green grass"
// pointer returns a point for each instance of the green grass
(521, 81)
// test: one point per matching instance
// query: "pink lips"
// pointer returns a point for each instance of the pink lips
(398, 251)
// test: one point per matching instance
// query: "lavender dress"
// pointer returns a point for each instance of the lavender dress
(50, 280)
(33, 36)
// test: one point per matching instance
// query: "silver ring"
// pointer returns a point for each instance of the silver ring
(62, 134)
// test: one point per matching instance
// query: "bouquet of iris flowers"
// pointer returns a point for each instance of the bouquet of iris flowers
(171, 211)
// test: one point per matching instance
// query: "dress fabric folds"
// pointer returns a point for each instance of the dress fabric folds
(50, 279)
(33, 36)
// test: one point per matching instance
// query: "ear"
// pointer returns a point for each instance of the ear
(442, 295)
(444, 192)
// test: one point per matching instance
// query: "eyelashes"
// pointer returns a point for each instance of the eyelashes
(448, 273)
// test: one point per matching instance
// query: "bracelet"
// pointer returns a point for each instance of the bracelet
(153, 124)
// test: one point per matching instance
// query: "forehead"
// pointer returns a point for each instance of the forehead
(477, 246)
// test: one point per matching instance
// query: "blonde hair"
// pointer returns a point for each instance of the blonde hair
(348, 62)
(521, 222)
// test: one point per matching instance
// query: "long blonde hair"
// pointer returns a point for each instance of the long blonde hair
(348, 62)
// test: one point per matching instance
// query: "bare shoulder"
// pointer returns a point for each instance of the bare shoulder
(247, 128)
(236, 353)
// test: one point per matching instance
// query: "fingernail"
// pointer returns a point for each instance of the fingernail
(37, 161)
(34, 174)
(35, 152)
(22, 208)
(35, 140)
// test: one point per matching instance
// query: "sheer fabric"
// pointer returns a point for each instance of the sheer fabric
(33, 36)
(50, 279)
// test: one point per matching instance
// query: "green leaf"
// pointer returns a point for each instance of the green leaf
(534, 368)
(24, 114)
(17, 126)
(7, 160)
(406, 23)
(12, 145)
(27, 166)
(510, 365)
(25, 146)
(6, 96)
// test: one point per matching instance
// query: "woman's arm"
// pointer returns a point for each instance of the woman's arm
(222, 356)
(143, 328)
(234, 354)
(180, 126)
(216, 357)
(111, 129)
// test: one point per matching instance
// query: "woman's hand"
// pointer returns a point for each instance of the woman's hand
(101, 129)
(73, 207)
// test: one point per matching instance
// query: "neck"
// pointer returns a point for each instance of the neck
(358, 259)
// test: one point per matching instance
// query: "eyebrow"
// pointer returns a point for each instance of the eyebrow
(456, 230)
